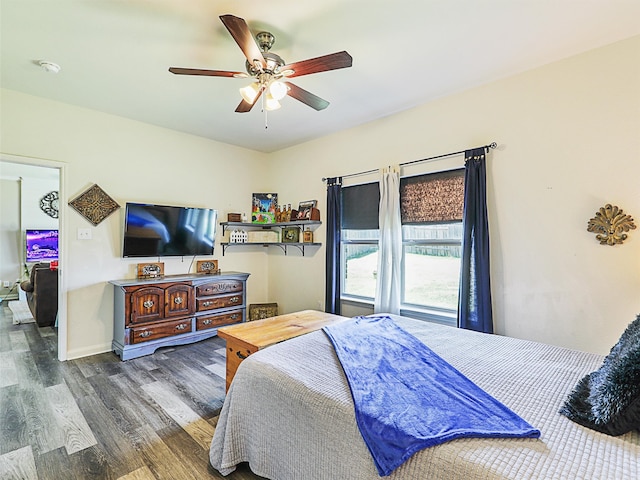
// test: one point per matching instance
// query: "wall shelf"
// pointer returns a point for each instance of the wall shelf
(312, 224)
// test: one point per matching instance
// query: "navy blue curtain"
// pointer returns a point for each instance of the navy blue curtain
(332, 280)
(474, 308)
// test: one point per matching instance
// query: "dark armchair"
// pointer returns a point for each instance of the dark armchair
(42, 294)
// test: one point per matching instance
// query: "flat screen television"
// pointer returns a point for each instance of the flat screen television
(42, 245)
(162, 230)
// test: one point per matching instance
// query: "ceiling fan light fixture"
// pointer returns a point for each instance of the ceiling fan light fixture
(250, 92)
(271, 103)
(278, 90)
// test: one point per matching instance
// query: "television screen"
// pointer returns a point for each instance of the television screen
(42, 245)
(160, 230)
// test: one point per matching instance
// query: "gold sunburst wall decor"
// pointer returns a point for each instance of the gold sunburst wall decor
(610, 225)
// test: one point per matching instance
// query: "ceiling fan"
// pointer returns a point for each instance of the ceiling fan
(268, 70)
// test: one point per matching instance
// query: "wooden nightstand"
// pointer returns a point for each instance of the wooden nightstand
(247, 338)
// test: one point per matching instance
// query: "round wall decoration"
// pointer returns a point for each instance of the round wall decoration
(49, 204)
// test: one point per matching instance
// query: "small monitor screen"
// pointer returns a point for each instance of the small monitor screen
(42, 245)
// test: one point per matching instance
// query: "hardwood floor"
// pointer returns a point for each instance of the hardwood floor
(100, 418)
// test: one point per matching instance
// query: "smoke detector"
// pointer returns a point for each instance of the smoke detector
(49, 66)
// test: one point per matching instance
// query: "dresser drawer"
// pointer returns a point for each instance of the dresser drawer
(221, 301)
(218, 287)
(160, 330)
(210, 321)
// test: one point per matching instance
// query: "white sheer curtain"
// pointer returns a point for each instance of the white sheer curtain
(388, 282)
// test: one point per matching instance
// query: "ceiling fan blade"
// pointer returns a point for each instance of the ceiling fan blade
(245, 106)
(209, 73)
(333, 61)
(240, 32)
(308, 98)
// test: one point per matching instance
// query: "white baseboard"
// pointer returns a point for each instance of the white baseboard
(88, 351)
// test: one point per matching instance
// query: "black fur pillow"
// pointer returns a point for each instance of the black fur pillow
(608, 400)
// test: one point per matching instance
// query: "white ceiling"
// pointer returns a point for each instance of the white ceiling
(115, 55)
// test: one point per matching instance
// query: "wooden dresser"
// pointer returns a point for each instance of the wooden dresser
(174, 310)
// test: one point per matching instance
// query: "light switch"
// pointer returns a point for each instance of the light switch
(84, 234)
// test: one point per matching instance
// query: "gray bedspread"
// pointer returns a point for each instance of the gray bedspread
(289, 414)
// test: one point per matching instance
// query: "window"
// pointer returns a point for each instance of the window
(431, 211)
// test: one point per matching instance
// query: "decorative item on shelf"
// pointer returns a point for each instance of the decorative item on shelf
(94, 205)
(207, 266)
(308, 211)
(151, 270)
(263, 208)
(263, 236)
(258, 311)
(609, 225)
(238, 236)
(291, 235)
(49, 204)
(307, 236)
(234, 217)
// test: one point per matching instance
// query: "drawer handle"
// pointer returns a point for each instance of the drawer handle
(182, 326)
(177, 300)
(207, 322)
(148, 304)
(145, 334)
(234, 299)
(235, 316)
(207, 304)
(241, 356)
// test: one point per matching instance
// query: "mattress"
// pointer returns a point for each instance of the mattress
(289, 414)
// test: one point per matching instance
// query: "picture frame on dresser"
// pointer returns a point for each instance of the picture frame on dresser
(207, 266)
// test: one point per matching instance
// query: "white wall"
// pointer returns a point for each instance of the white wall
(31, 191)
(131, 161)
(569, 136)
(10, 236)
(569, 142)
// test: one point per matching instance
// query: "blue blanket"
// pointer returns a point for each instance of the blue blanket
(407, 398)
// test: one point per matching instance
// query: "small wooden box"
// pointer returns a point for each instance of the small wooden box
(308, 214)
(234, 217)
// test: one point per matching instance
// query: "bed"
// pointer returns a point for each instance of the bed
(290, 415)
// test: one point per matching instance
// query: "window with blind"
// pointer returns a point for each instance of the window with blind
(431, 212)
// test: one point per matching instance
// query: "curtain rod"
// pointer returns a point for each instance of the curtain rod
(486, 148)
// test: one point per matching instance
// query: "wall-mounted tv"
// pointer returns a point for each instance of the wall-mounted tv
(42, 245)
(161, 230)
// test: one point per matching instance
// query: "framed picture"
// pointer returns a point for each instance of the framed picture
(263, 208)
(258, 311)
(304, 209)
(291, 235)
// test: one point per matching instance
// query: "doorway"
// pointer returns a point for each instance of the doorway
(36, 175)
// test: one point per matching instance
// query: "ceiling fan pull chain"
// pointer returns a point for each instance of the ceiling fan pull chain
(264, 109)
